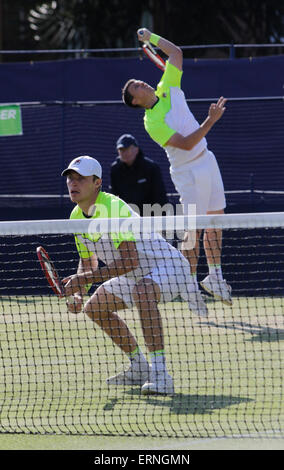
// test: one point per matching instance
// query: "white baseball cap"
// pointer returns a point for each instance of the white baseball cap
(85, 166)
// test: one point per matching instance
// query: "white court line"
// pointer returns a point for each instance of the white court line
(257, 438)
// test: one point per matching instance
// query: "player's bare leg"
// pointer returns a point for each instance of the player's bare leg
(214, 282)
(146, 296)
(102, 308)
(190, 250)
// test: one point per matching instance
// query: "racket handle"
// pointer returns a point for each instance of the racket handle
(149, 45)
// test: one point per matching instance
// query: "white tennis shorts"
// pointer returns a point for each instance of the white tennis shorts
(200, 182)
(172, 279)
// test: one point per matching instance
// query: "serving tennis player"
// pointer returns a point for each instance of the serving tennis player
(137, 272)
(194, 169)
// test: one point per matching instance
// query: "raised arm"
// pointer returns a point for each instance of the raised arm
(173, 52)
(215, 112)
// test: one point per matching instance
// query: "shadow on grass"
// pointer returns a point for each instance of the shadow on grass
(109, 406)
(259, 333)
(182, 404)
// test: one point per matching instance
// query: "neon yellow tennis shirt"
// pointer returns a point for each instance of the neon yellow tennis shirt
(152, 250)
(155, 118)
(106, 206)
(171, 114)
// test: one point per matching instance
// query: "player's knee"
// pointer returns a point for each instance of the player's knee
(89, 310)
(146, 290)
(94, 310)
(139, 291)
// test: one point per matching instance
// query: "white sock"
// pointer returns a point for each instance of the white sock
(137, 358)
(216, 270)
(158, 361)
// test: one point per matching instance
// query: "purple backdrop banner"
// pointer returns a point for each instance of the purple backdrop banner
(102, 79)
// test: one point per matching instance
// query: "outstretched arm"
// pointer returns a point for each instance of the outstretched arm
(215, 112)
(173, 52)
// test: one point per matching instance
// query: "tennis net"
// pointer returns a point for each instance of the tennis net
(227, 368)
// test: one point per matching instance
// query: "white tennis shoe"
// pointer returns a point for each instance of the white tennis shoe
(159, 383)
(219, 289)
(131, 376)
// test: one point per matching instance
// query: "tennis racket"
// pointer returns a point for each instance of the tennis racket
(50, 272)
(151, 53)
(153, 56)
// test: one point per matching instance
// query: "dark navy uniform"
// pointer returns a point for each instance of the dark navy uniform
(141, 183)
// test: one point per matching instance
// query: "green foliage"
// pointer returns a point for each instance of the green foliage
(101, 24)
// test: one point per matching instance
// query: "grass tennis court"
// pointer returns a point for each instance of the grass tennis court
(228, 372)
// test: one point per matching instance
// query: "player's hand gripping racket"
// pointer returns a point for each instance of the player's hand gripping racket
(50, 272)
(151, 53)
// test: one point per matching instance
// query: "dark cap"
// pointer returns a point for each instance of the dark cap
(125, 141)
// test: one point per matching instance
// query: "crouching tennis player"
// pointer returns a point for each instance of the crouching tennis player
(136, 272)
